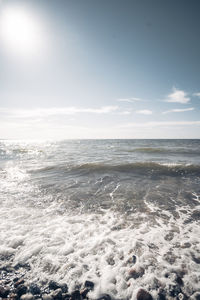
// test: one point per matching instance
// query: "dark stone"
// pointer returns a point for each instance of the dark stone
(179, 280)
(66, 296)
(169, 236)
(53, 285)
(186, 245)
(64, 287)
(76, 295)
(4, 291)
(143, 295)
(104, 297)
(156, 284)
(84, 293)
(19, 282)
(7, 269)
(161, 294)
(21, 290)
(16, 279)
(197, 296)
(195, 259)
(169, 257)
(136, 273)
(7, 281)
(57, 294)
(134, 258)
(166, 275)
(89, 285)
(161, 297)
(34, 289)
(174, 290)
(23, 266)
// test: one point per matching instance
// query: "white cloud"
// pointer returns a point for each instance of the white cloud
(158, 124)
(129, 100)
(178, 96)
(178, 110)
(56, 111)
(144, 112)
(58, 122)
(101, 110)
(125, 112)
(196, 94)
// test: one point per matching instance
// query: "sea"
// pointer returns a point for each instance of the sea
(124, 214)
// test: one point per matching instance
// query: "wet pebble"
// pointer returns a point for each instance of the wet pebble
(161, 294)
(64, 287)
(34, 289)
(4, 291)
(89, 285)
(13, 296)
(66, 296)
(53, 285)
(104, 297)
(56, 294)
(27, 297)
(179, 280)
(161, 297)
(25, 266)
(174, 290)
(84, 293)
(47, 297)
(143, 295)
(134, 258)
(21, 290)
(75, 295)
(18, 282)
(197, 296)
(136, 273)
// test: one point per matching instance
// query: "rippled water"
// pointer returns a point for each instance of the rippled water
(77, 210)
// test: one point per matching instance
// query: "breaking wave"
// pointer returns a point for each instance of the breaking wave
(140, 168)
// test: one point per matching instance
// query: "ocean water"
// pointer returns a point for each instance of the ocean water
(79, 210)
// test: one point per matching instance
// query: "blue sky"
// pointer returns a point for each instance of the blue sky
(99, 69)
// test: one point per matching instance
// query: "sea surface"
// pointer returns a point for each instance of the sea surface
(79, 210)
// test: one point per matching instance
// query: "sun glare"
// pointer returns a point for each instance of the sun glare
(19, 31)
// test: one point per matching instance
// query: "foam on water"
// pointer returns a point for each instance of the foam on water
(74, 248)
(38, 226)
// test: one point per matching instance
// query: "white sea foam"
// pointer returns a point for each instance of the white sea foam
(74, 248)
(38, 228)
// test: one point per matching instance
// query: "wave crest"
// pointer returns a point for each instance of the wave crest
(140, 168)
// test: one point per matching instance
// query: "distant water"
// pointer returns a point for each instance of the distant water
(80, 209)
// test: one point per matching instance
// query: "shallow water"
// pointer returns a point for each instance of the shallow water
(77, 210)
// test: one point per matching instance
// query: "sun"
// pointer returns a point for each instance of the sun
(19, 31)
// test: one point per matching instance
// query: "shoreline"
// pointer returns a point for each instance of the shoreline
(15, 286)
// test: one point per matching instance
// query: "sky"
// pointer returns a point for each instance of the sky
(99, 69)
